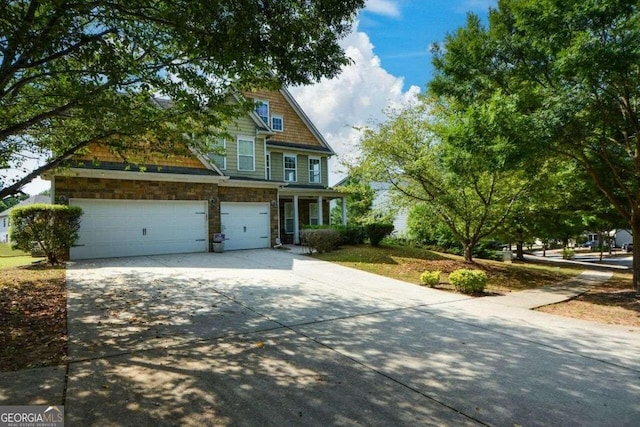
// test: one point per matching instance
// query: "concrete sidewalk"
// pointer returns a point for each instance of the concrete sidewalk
(534, 298)
(275, 338)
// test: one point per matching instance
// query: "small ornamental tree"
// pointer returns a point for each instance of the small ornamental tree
(52, 228)
(376, 231)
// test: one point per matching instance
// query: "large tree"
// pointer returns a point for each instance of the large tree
(75, 72)
(418, 152)
(576, 64)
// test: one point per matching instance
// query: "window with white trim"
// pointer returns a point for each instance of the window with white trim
(219, 153)
(262, 109)
(277, 123)
(288, 218)
(313, 214)
(290, 168)
(246, 154)
(315, 176)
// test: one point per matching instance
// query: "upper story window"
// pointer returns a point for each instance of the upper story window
(262, 109)
(219, 153)
(277, 123)
(246, 154)
(290, 168)
(315, 175)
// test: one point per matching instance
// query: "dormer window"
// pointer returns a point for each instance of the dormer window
(277, 123)
(262, 109)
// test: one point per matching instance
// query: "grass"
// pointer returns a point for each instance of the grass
(10, 258)
(33, 317)
(6, 251)
(408, 263)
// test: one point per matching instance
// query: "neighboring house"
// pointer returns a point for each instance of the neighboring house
(621, 237)
(618, 237)
(383, 205)
(4, 215)
(270, 182)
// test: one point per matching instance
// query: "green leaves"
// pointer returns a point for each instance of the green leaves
(83, 71)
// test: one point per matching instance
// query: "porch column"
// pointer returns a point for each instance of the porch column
(296, 222)
(319, 210)
(344, 211)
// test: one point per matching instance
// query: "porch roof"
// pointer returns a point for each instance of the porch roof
(307, 191)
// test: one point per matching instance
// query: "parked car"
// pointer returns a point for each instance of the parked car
(628, 247)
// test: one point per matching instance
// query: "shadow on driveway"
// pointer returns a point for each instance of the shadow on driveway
(288, 340)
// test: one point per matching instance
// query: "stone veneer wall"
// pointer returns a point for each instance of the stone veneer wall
(117, 189)
(303, 215)
(258, 195)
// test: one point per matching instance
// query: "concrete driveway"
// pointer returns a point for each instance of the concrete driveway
(272, 338)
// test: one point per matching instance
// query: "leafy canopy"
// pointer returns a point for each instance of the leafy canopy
(75, 72)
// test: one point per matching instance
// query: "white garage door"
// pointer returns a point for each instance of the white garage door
(245, 225)
(117, 228)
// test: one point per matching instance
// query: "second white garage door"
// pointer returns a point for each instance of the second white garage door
(118, 228)
(245, 225)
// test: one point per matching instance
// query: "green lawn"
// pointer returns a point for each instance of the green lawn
(5, 250)
(408, 263)
(10, 258)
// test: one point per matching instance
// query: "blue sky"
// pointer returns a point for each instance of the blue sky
(389, 45)
(402, 31)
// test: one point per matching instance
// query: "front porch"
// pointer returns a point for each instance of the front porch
(301, 207)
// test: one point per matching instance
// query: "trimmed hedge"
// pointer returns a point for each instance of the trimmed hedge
(350, 234)
(430, 278)
(377, 231)
(321, 240)
(468, 281)
(51, 228)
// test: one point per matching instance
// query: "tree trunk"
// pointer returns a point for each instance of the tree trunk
(520, 250)
(635, 230)
(468, 252)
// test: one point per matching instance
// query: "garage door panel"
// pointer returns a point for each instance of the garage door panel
(115, 228)
(245, 225)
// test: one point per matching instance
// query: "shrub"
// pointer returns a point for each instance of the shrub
(568, 253)
(430, 278)
(377, 231)
(321, 240)
(468, 281)
(350, 234)
(51, 228)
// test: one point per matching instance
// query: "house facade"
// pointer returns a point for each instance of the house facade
(269, 179)
(5, 220)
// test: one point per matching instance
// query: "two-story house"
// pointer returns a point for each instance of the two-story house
(268, 181)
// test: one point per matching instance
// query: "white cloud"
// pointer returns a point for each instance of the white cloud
(383, 7)
(355, 98)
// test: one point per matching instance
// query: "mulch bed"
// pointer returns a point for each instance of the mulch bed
(33, 317)
(614, 302)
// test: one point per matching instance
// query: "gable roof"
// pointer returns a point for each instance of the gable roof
(30, 201)
(314, 130)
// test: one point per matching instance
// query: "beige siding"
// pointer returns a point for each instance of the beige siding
(277, 167)
(246, 128)
(303, 169)
(324, 171)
